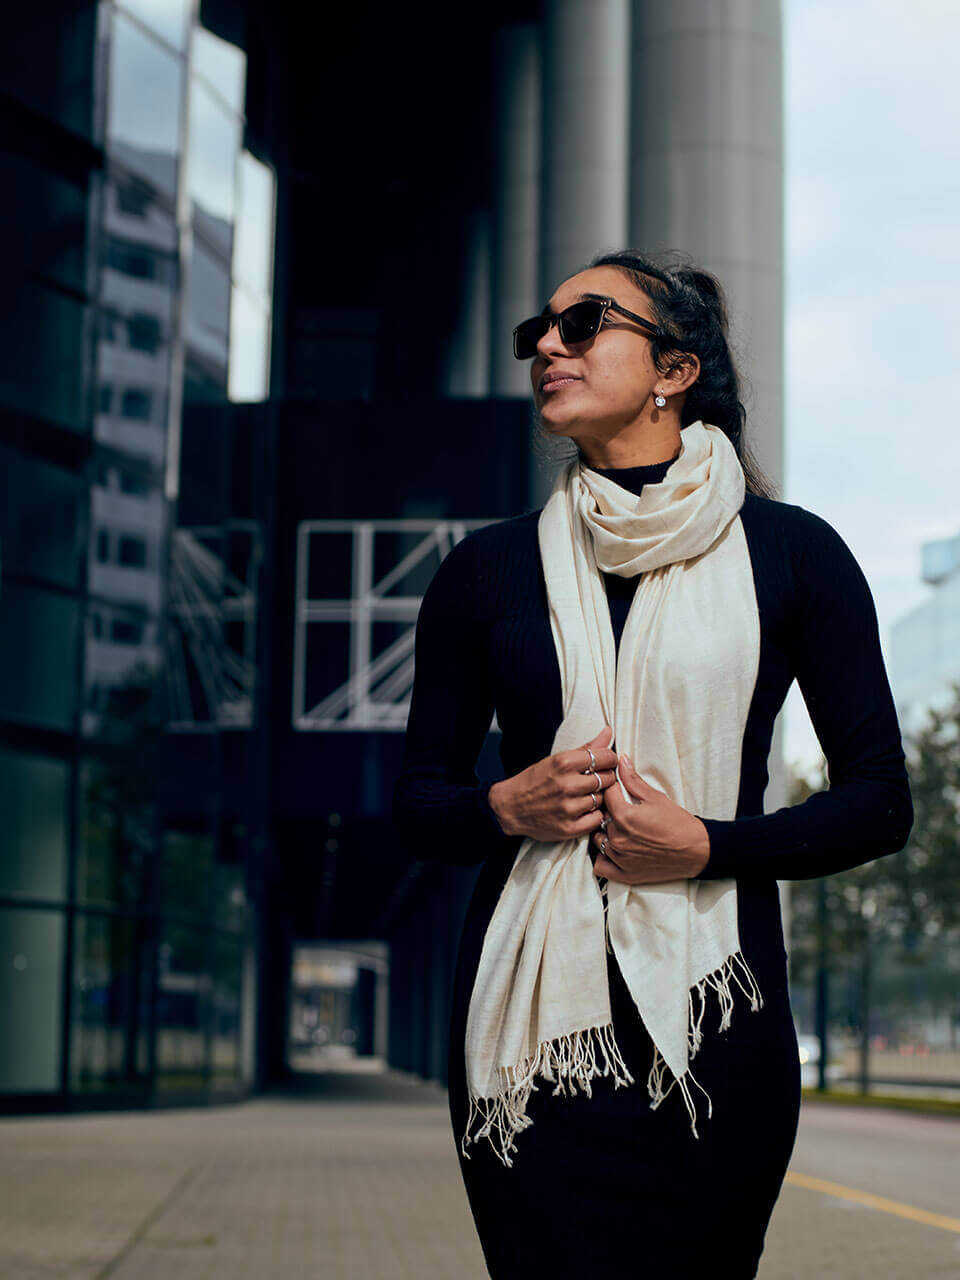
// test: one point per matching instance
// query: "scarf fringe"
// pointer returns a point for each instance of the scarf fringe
(719, 981)
(571, 1063)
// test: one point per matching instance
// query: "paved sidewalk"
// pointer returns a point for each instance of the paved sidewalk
(355, 1179)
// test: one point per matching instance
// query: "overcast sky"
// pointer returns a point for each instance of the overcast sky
(873, 287)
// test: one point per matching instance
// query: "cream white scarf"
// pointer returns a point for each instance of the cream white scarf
(677, 700)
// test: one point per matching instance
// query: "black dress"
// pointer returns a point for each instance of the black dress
(606, 1183)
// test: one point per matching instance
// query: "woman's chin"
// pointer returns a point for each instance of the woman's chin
(557, 424)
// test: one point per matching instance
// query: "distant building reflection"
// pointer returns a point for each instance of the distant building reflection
(126, 945)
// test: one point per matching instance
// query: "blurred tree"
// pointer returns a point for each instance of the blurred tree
(910, 898)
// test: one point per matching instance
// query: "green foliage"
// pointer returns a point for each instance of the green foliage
(909, 898)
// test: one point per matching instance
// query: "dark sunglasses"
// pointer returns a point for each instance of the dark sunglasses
(577, 323)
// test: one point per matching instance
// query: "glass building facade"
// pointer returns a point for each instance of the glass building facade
(141, 265)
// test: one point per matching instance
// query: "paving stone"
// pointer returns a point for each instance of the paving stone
(357, 1179)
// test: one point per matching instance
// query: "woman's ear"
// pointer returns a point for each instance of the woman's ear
(682, 372)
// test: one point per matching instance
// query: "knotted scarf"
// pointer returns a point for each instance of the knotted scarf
(677, 699)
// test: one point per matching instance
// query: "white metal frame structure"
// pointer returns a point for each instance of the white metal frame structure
(205, 598)
(376, 693)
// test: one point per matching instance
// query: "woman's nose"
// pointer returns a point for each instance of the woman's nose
(551, 342)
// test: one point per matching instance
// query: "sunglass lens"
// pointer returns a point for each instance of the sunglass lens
(581, 321)
(527, 335)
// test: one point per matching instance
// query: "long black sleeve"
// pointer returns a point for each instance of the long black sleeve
(439, 806)
(867, 811)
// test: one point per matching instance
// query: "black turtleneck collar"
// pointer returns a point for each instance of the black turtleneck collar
(634, 478)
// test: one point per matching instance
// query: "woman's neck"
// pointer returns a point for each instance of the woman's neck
(623, 451)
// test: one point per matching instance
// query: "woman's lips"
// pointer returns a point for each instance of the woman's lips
(555, 384)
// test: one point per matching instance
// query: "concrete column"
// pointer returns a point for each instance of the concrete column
(706, 177)
(516, 212)
(706, 172)
(468, 364)
(583, 203)
(585, 150)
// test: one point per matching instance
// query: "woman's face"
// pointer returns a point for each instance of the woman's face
(610, 379)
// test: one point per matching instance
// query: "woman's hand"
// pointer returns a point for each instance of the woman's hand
(551, 800)
(651, 841)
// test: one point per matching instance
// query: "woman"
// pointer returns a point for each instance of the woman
(624, 1075)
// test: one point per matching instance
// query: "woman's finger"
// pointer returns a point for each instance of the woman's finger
(583, 783)
(577, 759)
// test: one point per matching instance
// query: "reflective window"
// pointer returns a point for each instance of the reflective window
(50, 58)
(105, 397)
(133, 199)
(222, 65)
(42, 365)
(188, 871)
(111, 994)
(136, 403)
(31, 994)
(131, 551)
(45, 225)
(208, 310)
(211, 167)
(38, 637)
(134, 483)
(103, 546)
(39, 518)
(249, 349)
(115, 825)
(143, 332)
(143, 126)
(33, 833)
(185, 955)
(141, 261)
(126, 631)
(168, 18)
(226, 1011)
(253, 242)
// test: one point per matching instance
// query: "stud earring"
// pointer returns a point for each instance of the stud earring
(659, 400)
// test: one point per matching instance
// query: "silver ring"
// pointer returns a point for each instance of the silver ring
(593, 801)
(593, 761)
(603, 823)
(599, 783)
(603, 847)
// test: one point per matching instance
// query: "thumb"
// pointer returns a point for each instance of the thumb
(604, 738)
(629, 776)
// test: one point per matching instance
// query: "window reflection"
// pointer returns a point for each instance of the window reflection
(39, 519)
(143, 126)
(42, 365)
(38, 637)
(249, 349)
(226, 1011)
(48, 62)
(208, 315)
(31, 992)
(47, 221)
(253, 243)
(211, 167)
(33, 834)
(110, 993)
(168, 18)
(115, 828)
(222, 65)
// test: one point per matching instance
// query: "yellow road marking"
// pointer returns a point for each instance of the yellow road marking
(875, 1202)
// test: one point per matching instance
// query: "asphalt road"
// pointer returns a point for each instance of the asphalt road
(891, 1206)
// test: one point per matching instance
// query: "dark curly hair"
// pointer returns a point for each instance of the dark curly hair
(689, 306)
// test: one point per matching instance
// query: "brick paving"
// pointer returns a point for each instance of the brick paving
(354, 1178)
